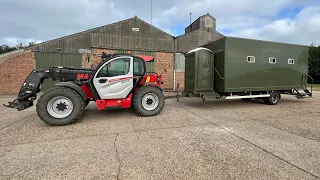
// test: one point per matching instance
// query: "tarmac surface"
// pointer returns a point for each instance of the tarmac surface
(230, 139)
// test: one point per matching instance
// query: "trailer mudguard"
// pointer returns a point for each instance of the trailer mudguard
(72, 86)
(29, 89)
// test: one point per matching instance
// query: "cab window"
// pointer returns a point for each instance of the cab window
(116, 67)
(138, 67)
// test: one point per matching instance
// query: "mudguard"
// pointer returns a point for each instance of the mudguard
(72, 86)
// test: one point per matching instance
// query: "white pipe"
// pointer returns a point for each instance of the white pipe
(250, 96)
(174, 79)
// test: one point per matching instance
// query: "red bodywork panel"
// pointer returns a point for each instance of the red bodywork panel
(87, 91)
(107, 103)
(149, 79)
(145, 58)
(154, 78)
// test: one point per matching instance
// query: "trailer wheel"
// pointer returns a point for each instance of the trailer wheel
(273, 99)
(60, 106)
(148, 101)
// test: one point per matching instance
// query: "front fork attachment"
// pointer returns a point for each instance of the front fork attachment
(19, 105)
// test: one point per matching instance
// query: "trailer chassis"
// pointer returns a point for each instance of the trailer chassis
(269, 97)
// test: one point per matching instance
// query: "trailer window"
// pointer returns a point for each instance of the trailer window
(272, 60)
(290, 61)
(251, 59)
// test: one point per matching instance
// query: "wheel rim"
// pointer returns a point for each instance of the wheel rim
(150, 101)
(274, 98)
(60, 107)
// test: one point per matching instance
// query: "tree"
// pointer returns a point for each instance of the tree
(5, 48)
(31, 44)
(314, 62)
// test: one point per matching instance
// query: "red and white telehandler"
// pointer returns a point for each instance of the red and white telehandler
(119, 81)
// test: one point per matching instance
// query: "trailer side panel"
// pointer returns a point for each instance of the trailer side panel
(275, 66)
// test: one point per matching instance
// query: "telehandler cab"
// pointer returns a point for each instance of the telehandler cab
(119, 81)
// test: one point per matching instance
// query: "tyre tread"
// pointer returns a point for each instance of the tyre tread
(41, 107)
(137, 101)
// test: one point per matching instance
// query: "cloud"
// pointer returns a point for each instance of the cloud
(34, 20)
(303, 29)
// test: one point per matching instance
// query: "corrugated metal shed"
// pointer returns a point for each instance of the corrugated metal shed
(202, 23)
(179, 62)
(44, 60)
(187, 42)
(132, 33)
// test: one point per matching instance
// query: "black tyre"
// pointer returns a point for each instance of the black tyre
(148, 101)
(60, 106)
(273, 99)
(86, 102)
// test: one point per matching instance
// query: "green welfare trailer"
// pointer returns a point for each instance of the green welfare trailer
(239, 68)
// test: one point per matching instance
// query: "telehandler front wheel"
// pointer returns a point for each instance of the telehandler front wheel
(60, 106)
(148, 101)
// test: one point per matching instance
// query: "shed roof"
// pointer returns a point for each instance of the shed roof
(99, 28)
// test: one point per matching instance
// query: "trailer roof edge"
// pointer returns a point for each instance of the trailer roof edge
(278, 42)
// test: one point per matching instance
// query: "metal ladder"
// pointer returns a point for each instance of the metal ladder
(304, 87)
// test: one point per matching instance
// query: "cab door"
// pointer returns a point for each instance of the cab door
(114, 79)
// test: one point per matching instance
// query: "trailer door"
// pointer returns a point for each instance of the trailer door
(205, 70)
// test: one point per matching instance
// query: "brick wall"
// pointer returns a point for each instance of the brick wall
(180, 79)
(85, 63)
(165, 61)
(14, 71)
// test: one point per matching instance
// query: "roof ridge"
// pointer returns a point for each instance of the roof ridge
(153, 26)
(93, 29)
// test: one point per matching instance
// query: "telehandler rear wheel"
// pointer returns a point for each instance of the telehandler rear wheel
(148, 101)
(60, 106)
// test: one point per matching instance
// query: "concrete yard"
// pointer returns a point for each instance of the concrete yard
(232, 139)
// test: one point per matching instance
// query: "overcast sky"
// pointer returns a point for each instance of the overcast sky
(292, 21)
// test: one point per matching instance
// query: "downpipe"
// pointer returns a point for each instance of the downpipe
(174, 79)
